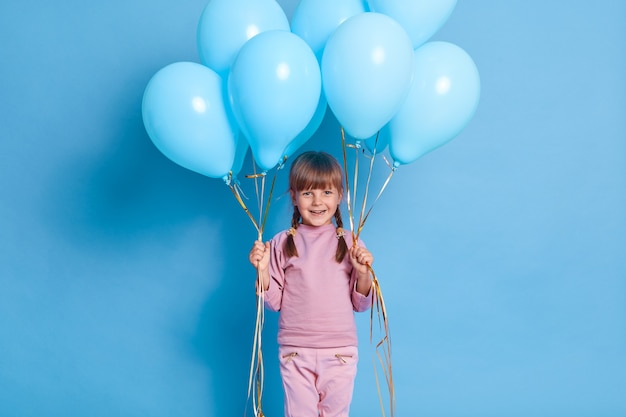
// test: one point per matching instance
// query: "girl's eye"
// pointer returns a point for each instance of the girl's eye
(328, 192)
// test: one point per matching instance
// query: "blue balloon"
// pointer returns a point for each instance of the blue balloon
(377, 142)
(185, 115)
(420, 18)
(315, 20)
(240, 154)
(310, 129)
(367, 67)
(442, 100)
(225, 25)
(274, 87)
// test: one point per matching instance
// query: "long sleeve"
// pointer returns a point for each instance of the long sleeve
(274, 294)
(315, 295)
(361, 302)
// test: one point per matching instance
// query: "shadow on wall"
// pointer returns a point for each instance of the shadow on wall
(115, 207)
(113, 203)
(224, 338)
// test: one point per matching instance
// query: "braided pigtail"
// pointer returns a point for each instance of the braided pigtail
(342, 246)
(290, 245)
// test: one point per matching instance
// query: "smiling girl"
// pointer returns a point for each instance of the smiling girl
(317, 277)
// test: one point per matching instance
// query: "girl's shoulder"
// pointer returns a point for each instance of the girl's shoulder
(280, 236)
(314, 232)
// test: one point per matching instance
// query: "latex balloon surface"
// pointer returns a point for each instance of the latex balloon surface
(310, 129)
(240, 154)
(184, 114)
(225, 25)
(420, 18)
(367, 67)
(274, 87)
(377, 143)
(315, 20)
(441, 102)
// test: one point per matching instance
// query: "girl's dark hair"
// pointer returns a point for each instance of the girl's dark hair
(315, 170)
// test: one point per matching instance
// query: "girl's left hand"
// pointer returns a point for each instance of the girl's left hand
(361, 258)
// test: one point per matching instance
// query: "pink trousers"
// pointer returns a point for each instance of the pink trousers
(318, 382)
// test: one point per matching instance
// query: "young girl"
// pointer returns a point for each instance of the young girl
(316, 277)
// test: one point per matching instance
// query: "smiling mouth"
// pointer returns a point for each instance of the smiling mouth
(318, 212)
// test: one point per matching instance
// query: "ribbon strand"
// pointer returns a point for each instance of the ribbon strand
(383, 346)
(256, 378)
(347, 181)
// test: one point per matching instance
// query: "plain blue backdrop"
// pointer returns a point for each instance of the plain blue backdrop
(124, 283)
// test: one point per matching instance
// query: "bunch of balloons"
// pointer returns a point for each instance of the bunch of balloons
(264, 84)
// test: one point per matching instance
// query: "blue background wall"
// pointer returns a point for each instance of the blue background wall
(124, 283)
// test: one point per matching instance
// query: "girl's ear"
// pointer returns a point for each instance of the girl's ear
(293, 196)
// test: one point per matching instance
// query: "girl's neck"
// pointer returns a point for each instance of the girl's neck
(312, 227)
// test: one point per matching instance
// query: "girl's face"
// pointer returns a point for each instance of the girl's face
(317, 206)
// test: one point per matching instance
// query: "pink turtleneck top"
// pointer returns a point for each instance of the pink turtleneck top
(316, 296)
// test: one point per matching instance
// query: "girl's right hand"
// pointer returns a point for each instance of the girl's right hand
(260, 255)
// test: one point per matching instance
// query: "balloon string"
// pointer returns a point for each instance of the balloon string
(362, 217)
(236, 189)
(260, 193)
(367, 187)
(383, 346)
(347, 181)
(355, 177)
(257, 372)
(256, 375)
(356, 232)
(256, 378)
(269, 198)
(362, 223)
